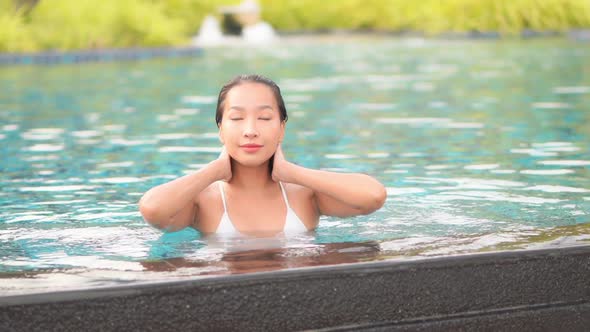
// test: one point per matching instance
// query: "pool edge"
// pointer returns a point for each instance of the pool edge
(540, 285)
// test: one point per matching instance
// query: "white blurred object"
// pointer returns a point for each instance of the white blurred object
(258, 33)
(245, 7)
(247, 14)
(209, 33)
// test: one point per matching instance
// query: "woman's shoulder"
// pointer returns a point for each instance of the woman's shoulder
(294, 189)
(302, 201)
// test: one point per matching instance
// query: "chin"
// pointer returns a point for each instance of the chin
(251, 161)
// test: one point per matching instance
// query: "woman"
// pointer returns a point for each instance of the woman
(251, 188)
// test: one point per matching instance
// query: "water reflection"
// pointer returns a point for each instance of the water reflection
(271, 259)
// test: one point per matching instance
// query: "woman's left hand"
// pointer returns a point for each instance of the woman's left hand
(280, 168)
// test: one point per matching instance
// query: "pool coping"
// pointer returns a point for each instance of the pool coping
(98, 55)
(527, 290)
(142, 53)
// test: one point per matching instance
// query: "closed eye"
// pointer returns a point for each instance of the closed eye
(265, 119)
(236, 119)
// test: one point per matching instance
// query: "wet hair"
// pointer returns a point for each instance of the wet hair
(250, 79)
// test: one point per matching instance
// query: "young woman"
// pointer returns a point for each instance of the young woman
(251, 188)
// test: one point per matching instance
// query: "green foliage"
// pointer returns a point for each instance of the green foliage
(81, 24)
(14, 33)
(73, 24)
(429, 16)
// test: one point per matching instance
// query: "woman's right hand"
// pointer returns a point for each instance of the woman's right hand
(223, 165)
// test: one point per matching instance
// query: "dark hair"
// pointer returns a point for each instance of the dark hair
(252, 79)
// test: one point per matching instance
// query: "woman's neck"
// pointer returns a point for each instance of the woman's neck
(250, 177)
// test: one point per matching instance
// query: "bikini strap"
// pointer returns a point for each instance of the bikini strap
(284, 195)
(222, 196)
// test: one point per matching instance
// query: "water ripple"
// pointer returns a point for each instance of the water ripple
(86, 133)
(557, 189)
(434, 122)
(492, 196)
(572, 89)
(45, 148)
(199, 99)
(565, 162)
(116, 180)
(190, 149)
(551, 105)
(57, 188)
(547, 171)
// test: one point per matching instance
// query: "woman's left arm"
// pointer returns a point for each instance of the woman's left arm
(336, 194)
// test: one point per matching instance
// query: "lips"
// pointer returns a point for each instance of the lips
(250, 147)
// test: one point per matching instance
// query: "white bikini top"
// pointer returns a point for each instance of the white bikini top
(292, 225)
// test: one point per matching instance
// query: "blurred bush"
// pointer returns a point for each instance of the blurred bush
(82, 24)
(509, 17)
(86, 24)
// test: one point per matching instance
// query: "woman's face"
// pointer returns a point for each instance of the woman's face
(251, 126)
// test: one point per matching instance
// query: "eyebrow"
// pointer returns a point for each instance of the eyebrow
(259, 108)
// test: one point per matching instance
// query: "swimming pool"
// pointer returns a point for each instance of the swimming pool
(482, 145)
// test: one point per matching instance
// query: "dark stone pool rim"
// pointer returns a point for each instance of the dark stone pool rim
(103, 55)
(142, 53)
(529, 290)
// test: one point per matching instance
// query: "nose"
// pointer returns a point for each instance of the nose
(250, 130)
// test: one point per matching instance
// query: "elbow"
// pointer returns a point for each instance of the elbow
(156, 218)
(150, 214)
(376, 200)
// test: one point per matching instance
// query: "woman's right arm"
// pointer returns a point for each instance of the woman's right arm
(172, 206)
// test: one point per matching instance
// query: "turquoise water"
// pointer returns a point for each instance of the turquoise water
(482, 145)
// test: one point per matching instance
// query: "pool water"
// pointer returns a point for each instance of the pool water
(482, 145)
